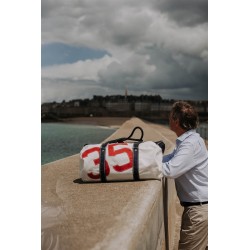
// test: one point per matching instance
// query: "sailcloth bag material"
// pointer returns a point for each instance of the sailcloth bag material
(118, 160)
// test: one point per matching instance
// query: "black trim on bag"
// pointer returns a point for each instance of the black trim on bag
(136, 161)
(161, 144)
(102, 169)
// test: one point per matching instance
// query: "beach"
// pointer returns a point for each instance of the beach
(113, 122)
(116, 122)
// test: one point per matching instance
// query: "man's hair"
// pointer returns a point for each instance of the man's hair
(186, 114)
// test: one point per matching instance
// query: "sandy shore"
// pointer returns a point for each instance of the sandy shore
(116, 122)
(100, 121)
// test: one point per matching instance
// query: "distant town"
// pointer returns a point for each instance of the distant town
(148, 107)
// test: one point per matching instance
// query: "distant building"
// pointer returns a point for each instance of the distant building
(77, 104)
(144, 106)
(118, 106)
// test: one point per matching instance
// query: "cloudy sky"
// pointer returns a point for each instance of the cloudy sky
(102, 47)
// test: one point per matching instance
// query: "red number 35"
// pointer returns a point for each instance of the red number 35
(96, 161)
(114, 152)
(111, 152)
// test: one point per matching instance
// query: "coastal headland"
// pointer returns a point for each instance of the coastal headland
(150, 108)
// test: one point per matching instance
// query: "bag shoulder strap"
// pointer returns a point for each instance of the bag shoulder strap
(102, 167)
(136, 161)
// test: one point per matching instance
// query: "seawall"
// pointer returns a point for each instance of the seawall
(119, 215)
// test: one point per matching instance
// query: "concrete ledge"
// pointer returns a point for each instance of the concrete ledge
(120, 215)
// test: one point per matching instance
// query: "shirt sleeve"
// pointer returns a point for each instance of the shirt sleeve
(181, 162)
(168, 157)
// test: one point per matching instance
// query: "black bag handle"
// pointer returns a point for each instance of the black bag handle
(142, 134)
(122, 139)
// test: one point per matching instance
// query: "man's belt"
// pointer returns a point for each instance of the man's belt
(188, 204)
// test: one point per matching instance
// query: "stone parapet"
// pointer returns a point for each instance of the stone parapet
(117, 215)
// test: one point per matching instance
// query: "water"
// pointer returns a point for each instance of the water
(61, 140)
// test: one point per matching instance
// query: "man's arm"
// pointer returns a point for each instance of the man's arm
(168, 157)
(180, 162)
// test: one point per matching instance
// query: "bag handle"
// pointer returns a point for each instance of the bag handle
(119, 140)
(142, 134)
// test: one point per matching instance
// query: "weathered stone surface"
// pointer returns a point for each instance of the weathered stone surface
(119, 215)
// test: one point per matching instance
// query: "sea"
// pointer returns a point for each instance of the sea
(60, 140)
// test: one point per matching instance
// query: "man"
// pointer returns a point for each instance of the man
(188, 165)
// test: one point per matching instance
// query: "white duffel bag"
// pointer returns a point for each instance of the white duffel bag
(119, 160)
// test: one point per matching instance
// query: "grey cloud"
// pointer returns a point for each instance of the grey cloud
(188, 13)
(130, 29)
(161, 46)
(162, 70)
(131, 73)
(66, 89)
(54, 90)
(184, 74)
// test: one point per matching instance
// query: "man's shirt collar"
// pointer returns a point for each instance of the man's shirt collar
(184, 136)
